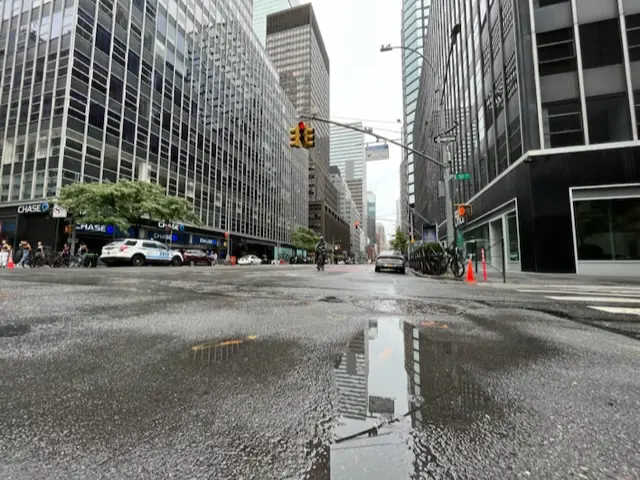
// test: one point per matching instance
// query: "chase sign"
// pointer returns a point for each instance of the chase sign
(33, 208)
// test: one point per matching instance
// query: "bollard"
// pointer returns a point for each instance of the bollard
(484, 267)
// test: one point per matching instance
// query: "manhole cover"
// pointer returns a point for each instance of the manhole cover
(331, 299)
(13, 330)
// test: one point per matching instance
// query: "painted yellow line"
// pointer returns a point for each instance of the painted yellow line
(225, 343)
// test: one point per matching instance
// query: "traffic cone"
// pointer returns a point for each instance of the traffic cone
(470, 277)
(10, 263)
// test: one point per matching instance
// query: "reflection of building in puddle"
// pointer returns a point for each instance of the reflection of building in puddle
(436, 376)
(220, 350)
(373, 329)
(352, 378)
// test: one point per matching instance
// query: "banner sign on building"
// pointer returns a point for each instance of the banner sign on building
(375, 152)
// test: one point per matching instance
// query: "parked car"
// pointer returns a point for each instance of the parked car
(390, 260)
(197, 257)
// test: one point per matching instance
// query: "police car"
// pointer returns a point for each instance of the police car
(139, 252)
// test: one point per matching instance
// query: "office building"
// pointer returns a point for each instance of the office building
(547, 127)
(352, 379)
(381, 238)
(263, 8)
(371, 218)
(179, 94)
(347, 153)
(348, 210)
(296, 48)
(415, 18)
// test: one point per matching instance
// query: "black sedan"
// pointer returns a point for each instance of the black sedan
(390, 260)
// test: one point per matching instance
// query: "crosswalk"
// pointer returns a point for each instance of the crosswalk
(622, 300)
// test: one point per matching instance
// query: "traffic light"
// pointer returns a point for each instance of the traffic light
(464, 210)
(309, 137)
(226, 234)
(294, 138)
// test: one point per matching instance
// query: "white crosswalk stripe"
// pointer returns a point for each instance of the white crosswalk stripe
(610, 299)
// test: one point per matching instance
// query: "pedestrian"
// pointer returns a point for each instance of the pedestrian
(26, 251)
(4, 254)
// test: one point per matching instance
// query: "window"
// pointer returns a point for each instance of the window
(608, 229)
(609, 119)
(545, 3)
(556, 52)
(134, 63)
(601, 43)
(563, 124)
(103, 39)
(96, 115)
(633, 36)
(512, 229)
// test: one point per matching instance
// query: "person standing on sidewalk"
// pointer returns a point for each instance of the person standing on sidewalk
(26, 251)
(4, 254)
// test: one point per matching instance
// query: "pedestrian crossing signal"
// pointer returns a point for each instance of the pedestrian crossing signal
(464, 210)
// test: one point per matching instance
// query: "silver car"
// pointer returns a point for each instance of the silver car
(390, 260)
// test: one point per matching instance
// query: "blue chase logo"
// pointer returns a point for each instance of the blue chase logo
(33, 208)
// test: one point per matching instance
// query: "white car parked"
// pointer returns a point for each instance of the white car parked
(139, 252)
(249, 260)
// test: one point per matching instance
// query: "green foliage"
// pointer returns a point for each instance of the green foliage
(305, 238)
(123, 204)
(400, 241)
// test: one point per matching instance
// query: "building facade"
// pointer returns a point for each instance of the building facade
(348, 209)
(296, 48)
(263, 8)
(381, 238)
(176, 93)
(415, 19)
(371, 218)
(544, 96)
(347, 153)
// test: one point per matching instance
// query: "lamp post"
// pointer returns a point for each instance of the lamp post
(446, 164)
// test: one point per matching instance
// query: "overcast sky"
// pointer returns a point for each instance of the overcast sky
(367, 84)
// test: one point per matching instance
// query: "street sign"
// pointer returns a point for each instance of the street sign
(377, 152)
(462, 176)
(444, 138)
(58, 212)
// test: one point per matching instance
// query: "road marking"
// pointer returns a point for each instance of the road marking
(596, 299)
(622, 310)
(602, 294)
(434, 324)
(224, 343)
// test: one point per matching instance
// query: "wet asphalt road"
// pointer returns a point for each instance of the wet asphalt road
(283, 372)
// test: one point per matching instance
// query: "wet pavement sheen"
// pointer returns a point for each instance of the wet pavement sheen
(288, 373)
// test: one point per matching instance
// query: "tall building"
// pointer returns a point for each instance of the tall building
(184, 97)
(398, 214)
(263, 8)
(544, 98)
(415, 18)
(296, 48)
(381, 238)
(348, 209)
(352, 378)
(371, 218)
(347, 153)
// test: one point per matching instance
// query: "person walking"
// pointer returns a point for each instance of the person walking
(26, 251)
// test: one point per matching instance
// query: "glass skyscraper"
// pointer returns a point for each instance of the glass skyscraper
(415, 16)
(543, 97)
(179, 93)
(262, 8)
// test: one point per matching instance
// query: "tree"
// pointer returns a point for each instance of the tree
(400, 241)
(123, 204)
(305, 238)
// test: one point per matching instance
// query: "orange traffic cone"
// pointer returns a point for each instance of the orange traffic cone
(10, 261)
(470, 277)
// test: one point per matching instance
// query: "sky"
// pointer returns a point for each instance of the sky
(367, 84)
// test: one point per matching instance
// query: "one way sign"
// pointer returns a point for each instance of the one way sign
(444, 139)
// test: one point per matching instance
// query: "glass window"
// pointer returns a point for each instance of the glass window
(601, 43)
(512, 228)
(608, 229)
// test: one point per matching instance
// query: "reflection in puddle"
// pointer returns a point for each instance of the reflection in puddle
(14, 330)
(397, 384)
(220, 350)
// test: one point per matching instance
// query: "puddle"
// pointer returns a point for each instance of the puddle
(221, 350)
(398, 384)
(14, 330)
(331, 299)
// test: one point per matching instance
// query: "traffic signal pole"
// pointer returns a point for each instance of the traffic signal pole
(446, 166)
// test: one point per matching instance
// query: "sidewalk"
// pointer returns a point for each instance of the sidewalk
(530, 278)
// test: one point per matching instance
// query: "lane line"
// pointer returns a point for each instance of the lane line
(600, 294)
(595, 299)
(620, 310)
